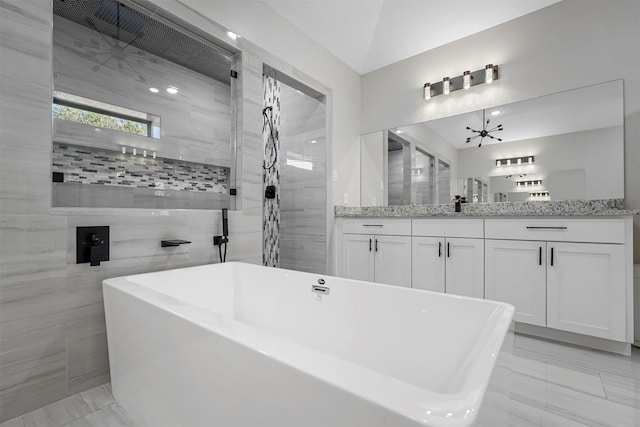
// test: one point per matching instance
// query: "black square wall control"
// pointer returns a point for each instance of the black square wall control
(92, 244)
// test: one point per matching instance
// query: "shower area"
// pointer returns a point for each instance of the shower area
(294, 174)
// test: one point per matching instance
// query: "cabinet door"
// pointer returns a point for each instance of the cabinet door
(357, 252)
(464, 271)
(586, 289)
(428, 255)
(393, 260)
(515, 272)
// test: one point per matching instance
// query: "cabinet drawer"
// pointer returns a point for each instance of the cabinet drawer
(397, 227)
(605, 230)
(471, 227)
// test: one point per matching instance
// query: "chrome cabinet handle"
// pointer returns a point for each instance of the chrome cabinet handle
(372, 225)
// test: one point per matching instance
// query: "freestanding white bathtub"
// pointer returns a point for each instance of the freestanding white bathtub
(243, 345)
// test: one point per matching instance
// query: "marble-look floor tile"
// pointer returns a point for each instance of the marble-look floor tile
(98, 397)
(36, 418)
(16, 422)
(600, 361)
(572, 404)
(624, 390)
(566, 375)
(109, 416)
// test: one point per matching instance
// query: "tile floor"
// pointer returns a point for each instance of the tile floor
(549, 384)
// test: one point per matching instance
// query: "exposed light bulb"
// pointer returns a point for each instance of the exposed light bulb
(144, 153)
(466, 80)
(154, 154)
(124, 150)
(488, 73)
(134, 151)
(427, 91)
(446, 86)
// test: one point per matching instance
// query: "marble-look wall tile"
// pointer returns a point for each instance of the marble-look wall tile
(52, 324)
(303, 182)
(87, 362)
(31, 377)
(31, 244)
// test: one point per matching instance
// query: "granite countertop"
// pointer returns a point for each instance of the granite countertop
(602, 207)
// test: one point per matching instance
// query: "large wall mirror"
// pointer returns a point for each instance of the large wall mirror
(142, 111)
(563, 146)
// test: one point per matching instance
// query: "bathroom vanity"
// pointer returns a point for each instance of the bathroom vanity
(565, 266)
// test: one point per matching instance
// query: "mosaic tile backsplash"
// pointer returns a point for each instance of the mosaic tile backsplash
(88, 165)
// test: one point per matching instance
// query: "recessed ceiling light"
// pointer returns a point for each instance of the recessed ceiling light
(172, 90)
(313, 141)
(399, 131)
(232, 35)
(154, 89)
(495, 112)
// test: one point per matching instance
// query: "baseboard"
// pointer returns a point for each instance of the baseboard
(618, 347)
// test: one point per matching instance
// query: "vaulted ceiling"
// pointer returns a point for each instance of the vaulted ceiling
(370, 34)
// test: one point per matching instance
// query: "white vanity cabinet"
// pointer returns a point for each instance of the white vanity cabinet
(516, 272)
(565, 274)
(448, 256)
(375, 250)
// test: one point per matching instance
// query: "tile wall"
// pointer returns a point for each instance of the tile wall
(303, 181)
(52, 331)
(271, 170)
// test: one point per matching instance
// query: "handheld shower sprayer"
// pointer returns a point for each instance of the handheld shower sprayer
(224, 239)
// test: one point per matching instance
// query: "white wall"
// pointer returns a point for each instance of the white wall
(568, 45)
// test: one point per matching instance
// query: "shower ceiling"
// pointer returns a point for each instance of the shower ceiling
(120, 22)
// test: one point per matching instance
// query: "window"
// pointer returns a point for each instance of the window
(99, 114)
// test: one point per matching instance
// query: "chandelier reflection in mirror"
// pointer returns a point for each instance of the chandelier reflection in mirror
(485, 132)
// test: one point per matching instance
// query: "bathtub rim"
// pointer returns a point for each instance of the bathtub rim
(396, 395)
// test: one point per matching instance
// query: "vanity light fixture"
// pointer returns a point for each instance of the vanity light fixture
(488, 74)
(426, 91)
(464, 81)
(515, 160)
(527, 183)
(539, 195)
(446, 86)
